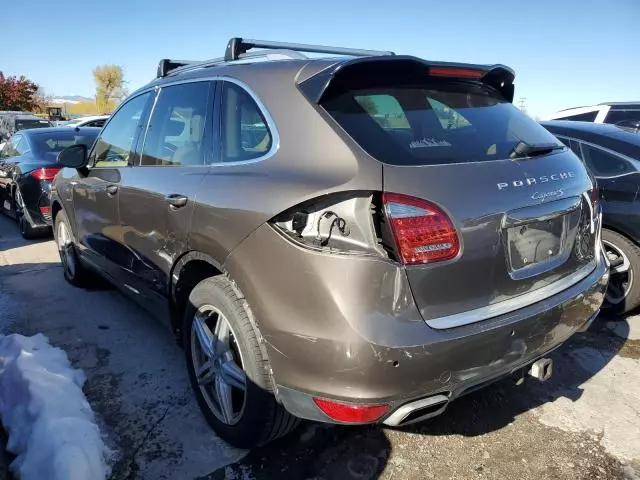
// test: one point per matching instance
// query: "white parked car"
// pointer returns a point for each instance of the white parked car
(92, 121)
(622, 114)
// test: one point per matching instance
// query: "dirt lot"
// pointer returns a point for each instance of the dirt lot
(583, 423)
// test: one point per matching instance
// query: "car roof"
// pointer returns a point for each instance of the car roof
(277, 61)
(41, 131)
(604, 134)
(88, 118)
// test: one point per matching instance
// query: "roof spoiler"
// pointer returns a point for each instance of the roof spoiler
(325, 82)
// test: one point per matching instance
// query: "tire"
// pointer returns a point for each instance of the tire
(258, 417)
(74, 271)
(621, 299)
(27, 230)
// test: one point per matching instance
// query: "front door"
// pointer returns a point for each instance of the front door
(96, 192)
(158, 196)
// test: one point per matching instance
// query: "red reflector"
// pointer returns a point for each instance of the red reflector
(345, 412)
(455, 72)
(422, 231)
(45, 210)
(45, 173)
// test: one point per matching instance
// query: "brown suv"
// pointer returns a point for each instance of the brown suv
(351, 239)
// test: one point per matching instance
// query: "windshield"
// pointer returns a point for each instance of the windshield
(439, 122)
(48, 145)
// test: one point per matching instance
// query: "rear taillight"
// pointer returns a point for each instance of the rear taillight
(423, 233)
(45, 173)
(45, 210)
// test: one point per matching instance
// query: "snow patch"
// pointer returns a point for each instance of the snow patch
(608, 404)
(49, 422)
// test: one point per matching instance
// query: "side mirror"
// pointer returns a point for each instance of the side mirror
(74, 156)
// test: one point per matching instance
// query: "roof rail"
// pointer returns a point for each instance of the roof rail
(238, 49)
(237, 46)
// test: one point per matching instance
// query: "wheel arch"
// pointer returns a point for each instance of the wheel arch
(188, 270)
(621, 231)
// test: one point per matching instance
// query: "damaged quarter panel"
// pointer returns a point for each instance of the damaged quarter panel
(238, 197)
(379, 347)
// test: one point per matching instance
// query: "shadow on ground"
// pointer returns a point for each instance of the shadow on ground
(318, 451)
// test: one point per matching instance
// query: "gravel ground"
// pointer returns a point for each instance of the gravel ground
(583, 423)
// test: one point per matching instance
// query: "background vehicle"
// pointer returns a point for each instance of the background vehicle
(348, 240)
(613, 157)
(11, 122)
(89, 121)
(28, 163)
(622, 114)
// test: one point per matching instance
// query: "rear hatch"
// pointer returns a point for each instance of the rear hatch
(487, 210)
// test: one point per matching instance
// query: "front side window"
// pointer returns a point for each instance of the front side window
(627, 119)
(175, 135)
(605, 164)
(245, 134)
(574, 146)
(116, 143)
(436, 122)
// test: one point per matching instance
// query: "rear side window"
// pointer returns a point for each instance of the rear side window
(581, 117)
(605, 164)
(48, 145)
(175, 135)
(245, 134)
(442, 122)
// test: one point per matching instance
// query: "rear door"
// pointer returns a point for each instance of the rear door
(514, 194)
(619, 181)
(158, 196)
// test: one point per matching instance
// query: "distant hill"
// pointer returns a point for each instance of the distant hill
(71, 99)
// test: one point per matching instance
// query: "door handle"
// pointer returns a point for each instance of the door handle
(112, 190)
(176, 200)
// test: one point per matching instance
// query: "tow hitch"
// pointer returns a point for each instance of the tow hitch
(542, 369)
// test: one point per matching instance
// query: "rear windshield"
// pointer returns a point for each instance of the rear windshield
(47, 145)
(24, 124)
(437, 123)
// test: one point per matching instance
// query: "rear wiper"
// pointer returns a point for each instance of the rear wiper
(524, 150)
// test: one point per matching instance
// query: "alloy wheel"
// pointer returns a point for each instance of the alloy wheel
(620, 274)
(65, 247)
(218, 364)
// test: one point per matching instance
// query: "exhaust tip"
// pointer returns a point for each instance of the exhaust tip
(542, 369)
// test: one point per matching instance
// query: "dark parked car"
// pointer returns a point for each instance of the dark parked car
(13, 121)
(612, 154)
(352, 240)
(28, 163)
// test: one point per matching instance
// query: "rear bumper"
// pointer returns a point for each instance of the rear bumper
(35, 194)
(358, 337)
(452, 368)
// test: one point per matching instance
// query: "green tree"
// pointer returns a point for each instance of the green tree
(109, 85)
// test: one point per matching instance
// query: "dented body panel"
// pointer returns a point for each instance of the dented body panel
(379, 348)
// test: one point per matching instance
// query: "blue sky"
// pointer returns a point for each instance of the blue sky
(565, 52)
